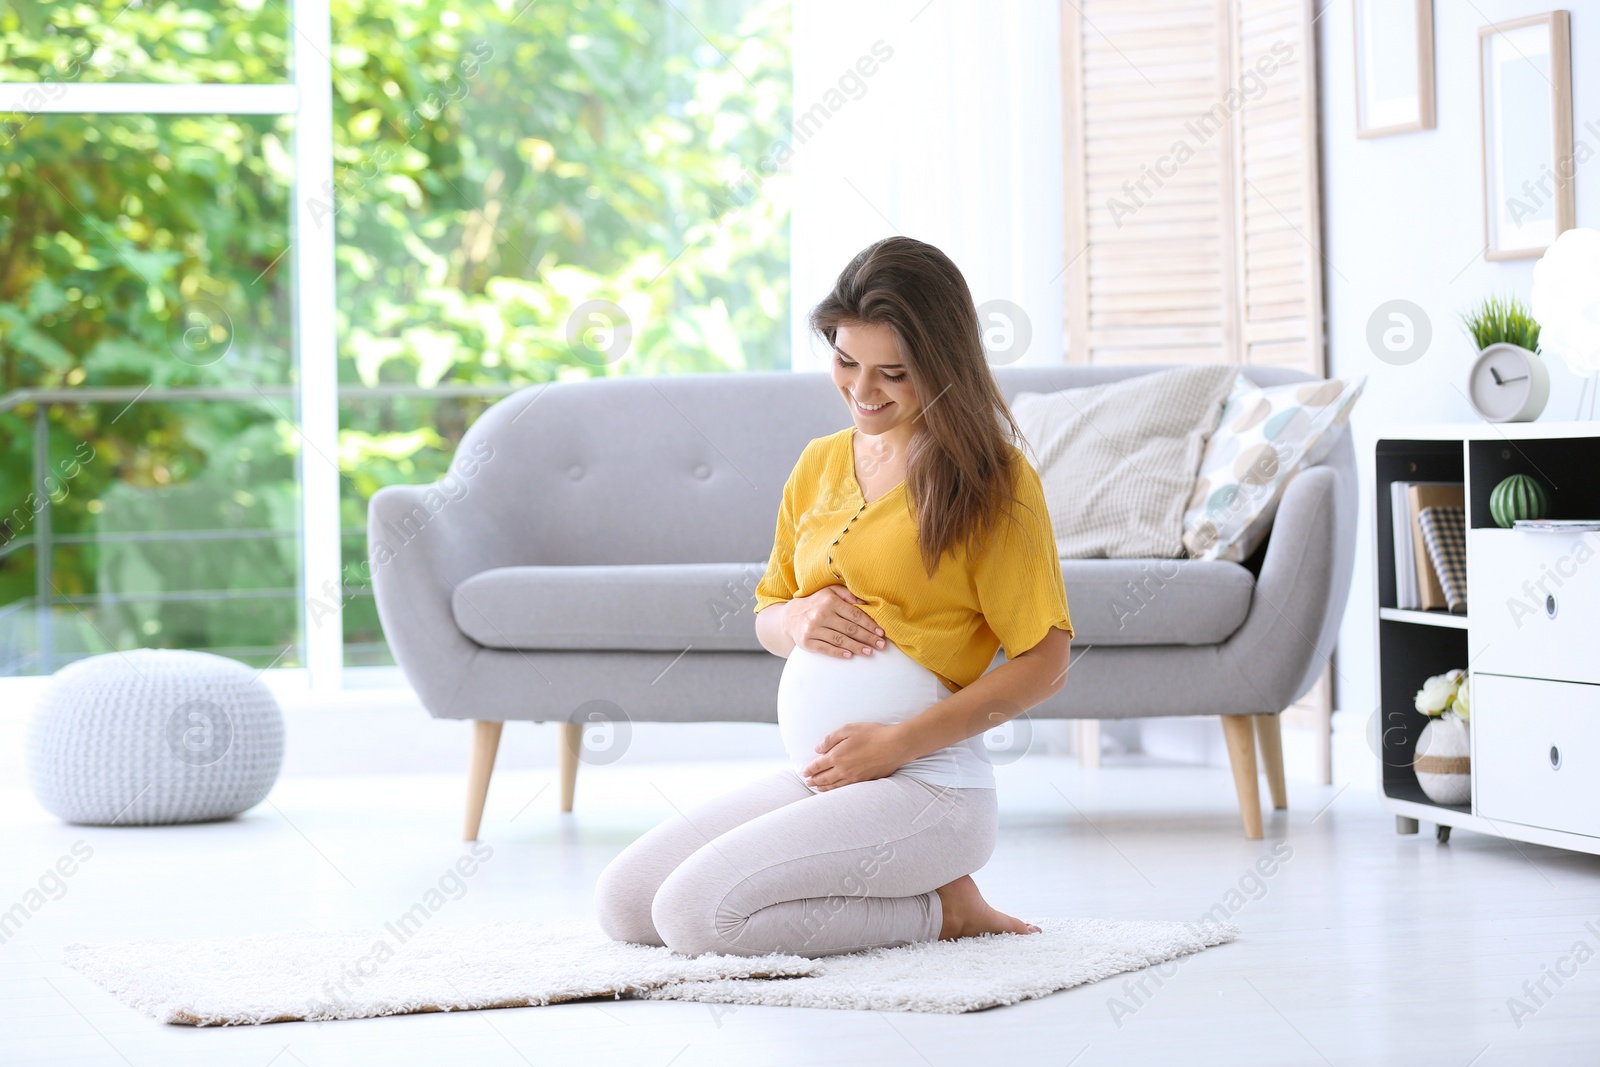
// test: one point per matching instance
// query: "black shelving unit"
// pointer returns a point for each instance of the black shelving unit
(1412, 645)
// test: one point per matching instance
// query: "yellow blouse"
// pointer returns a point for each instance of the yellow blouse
(953, 623)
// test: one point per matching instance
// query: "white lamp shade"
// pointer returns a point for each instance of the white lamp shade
(1566, 299)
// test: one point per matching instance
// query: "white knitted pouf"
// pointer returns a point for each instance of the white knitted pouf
(154, 736)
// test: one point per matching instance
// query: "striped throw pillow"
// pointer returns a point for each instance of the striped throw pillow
(1117, 461)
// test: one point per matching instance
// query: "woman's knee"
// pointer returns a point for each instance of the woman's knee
(684, 913)
(622, 903)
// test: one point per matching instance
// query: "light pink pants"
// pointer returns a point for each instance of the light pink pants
(776, 866)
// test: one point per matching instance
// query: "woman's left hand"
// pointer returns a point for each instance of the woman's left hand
(857, 752)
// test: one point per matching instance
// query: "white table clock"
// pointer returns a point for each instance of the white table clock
(1508, 383)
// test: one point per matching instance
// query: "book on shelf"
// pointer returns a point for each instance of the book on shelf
(1413, 570)
(1421, 495)
(1558, 525)
(1444, 531)
(1405, 569)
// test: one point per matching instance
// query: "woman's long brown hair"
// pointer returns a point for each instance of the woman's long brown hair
(959, 468)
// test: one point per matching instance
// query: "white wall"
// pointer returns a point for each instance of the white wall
(955, 140)
(1403, 219)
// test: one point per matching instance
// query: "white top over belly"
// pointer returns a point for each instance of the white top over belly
(819, 693)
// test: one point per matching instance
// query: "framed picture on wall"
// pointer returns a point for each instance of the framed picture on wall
(1394, 66)
(1525, 82)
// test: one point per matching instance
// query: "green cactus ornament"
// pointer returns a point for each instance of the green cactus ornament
(1518, 497)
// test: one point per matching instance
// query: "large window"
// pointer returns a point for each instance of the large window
(250, 272)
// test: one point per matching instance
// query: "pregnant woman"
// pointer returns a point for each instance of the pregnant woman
(910, 547)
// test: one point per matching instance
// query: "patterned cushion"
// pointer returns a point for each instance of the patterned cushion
(1266, 437)
(1117, 461)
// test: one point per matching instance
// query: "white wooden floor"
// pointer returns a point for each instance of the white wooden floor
(1364, 947)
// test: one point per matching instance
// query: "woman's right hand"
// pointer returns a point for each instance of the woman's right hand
(829, 622)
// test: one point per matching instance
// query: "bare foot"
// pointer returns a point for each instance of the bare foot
(967, 914)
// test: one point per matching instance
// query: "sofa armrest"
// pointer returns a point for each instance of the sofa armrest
(419, 549)
(1299, 595)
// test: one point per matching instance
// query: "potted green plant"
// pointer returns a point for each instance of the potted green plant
(1495, 321)
(1508, 381)
(1443, 760)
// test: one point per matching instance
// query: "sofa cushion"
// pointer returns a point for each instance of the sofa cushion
(709, 607)
(635, 606)
(1118, 460)
(1267, 435)
(1156, 601)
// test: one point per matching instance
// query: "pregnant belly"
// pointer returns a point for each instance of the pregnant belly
(819, 693)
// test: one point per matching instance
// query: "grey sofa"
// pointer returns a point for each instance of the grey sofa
(593, 555)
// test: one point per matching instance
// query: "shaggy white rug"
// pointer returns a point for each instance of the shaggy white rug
(969, 974)
(354, 975)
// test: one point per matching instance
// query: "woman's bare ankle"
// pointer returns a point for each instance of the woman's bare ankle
(955, 900)
(967, 914)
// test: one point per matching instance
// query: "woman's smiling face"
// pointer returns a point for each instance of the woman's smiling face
(868, 370)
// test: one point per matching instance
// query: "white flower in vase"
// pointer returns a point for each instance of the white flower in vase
(1437, 692)
(1461, 707)
(1443, 760)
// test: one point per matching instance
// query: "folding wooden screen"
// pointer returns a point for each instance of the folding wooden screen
(1192, 225)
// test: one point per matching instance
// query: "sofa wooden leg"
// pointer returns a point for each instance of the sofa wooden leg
(571, 739)
(1269, 735)
(1241, 740)
(485, 743)
(1089, 743)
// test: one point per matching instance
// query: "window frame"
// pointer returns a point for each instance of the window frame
(308, 96)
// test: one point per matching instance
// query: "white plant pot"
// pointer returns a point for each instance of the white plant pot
(1444, 761)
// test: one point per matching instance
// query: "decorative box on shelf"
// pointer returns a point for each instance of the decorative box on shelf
(1530, 636)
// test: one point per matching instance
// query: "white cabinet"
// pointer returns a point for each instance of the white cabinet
(1530, 637)
(1535, 604)
(1536, 752)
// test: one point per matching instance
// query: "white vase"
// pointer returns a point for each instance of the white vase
(1444, 761)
